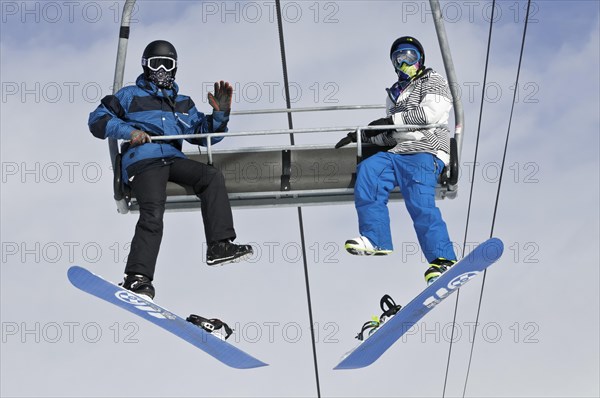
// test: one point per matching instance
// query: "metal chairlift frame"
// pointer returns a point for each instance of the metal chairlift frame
(281, 172)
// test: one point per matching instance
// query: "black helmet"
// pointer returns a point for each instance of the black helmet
(408, 40)
(159, 61)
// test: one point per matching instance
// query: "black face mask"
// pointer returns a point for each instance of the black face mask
(161, 78)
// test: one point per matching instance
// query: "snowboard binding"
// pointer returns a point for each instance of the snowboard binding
(210, 325)
(389, 308)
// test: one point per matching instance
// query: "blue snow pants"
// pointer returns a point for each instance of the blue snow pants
(416, 175)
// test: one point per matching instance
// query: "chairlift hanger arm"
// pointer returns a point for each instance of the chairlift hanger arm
(113, 147)
(459, 119)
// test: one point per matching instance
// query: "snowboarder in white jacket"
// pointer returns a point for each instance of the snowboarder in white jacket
(414, 163)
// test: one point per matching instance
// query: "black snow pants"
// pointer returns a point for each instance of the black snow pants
(149, 187)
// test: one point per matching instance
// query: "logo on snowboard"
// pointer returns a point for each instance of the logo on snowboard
(444, 292)
(143, 305)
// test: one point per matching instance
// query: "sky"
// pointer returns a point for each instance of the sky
(539, 324)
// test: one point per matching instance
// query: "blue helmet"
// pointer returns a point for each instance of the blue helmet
(408, 57)
(411, 41)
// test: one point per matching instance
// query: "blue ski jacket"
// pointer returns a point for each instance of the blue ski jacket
(145, 107)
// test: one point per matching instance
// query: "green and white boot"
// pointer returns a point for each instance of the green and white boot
(362, 246)
(437, 268)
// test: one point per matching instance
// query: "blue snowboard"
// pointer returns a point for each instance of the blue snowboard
(375, 345)
(212, 345)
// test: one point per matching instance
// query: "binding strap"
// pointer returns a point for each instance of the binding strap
(389, 308)
(210, 325)
(370, 326)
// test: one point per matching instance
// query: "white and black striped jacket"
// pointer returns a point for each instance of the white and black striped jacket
(426, 100)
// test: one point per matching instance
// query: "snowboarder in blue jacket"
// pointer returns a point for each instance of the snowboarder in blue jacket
(154, 107)
(414, 162)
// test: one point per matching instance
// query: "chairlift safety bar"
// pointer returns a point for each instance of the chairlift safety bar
(307, 109)
(293, 131)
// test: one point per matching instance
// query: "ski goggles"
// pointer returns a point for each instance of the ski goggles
(408, 56)
(156, 63)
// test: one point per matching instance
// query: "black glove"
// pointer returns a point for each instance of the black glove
(221, 100)
(351, 137)
(382, 122)
(379, 122)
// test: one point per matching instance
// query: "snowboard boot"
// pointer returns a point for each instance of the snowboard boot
(225, 251)
(362, 246)
(138, 284)
(437, 268)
